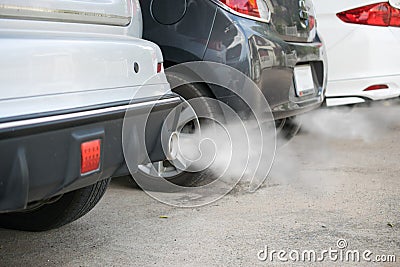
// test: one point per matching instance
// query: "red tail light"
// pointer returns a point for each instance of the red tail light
(395, 18)
(377, 87)
(312, 22)
(246, 7)
(252, 8)
(380, 14)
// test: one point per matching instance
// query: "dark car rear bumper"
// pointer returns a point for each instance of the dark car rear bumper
(41, 156)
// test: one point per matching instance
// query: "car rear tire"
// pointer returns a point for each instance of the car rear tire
(286, 130)
(187, 91)
(66, 209)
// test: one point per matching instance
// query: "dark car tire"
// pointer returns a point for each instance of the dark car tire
(288, 129)
(187, 91)
(68, 208)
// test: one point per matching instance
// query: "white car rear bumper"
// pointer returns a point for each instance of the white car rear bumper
(344, 92)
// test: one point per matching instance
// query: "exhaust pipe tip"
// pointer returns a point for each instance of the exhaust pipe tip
(173, 146)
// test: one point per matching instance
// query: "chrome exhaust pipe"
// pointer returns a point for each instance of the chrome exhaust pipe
(173, 146)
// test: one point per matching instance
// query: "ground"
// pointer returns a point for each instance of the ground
(321, 189)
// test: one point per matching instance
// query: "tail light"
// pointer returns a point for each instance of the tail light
(380, 14)
(245, 7)
(311, 22)
(252, 8)
(395, 18)
(376, 87)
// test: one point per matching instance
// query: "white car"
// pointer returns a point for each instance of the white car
(362, 39)
(68, 72)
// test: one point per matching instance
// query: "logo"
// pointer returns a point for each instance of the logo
(304, 14)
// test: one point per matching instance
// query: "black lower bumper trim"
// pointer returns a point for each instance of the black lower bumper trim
(41, 159)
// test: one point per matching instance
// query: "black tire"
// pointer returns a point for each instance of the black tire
(187, 91)
(68, 208)
(287, 129)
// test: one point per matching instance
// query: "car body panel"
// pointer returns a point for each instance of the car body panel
(42, 160)
(186, 39)
(65, 82)
(395, 3)
(358, 55)
(291, 19)
(70, 65)
(75, 69)
(352, 87)
(241, 43)
(112, 12)
(240, 48)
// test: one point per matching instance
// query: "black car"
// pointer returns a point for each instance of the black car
(274, 42)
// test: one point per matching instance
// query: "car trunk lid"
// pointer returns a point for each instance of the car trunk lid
(294, 21)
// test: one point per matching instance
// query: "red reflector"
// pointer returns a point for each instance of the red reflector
(159, 67)
(380, 14)
(90, 156)
(246, 7)
(377, 87)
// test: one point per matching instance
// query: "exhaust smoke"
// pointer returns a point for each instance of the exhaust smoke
(325, 135)
(241, 151)
(321, 132)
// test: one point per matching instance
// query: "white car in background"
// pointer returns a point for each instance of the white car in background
(362, 39)
(68, 72)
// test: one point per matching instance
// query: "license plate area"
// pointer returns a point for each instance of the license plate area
(304, 81)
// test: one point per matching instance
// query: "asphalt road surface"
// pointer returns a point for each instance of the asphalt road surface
(320, 191)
